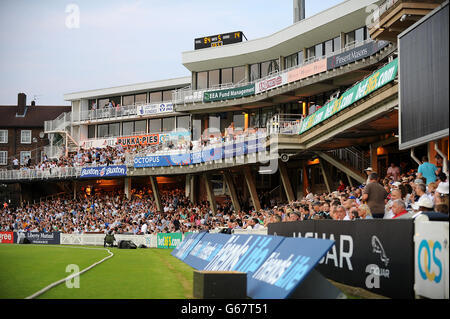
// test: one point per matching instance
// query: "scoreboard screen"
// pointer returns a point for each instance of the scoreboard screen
(218, 40)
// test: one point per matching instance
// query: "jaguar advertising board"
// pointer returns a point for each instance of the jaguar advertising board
(377, 255)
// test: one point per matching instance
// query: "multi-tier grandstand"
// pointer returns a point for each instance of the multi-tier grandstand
(271, 136)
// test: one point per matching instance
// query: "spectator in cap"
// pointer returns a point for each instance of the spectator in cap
(427, 170)
(368, 170)
(441, 198)
(425, 211)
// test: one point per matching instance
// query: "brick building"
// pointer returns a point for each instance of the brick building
(22, 130)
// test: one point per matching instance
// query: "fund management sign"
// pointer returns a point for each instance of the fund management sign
(275, 265)
(375, 81)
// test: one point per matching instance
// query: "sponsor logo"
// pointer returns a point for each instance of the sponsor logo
(429, 262)
(6, 238)
(374, 271)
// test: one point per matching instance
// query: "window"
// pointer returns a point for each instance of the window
(128, 100)
(183, 122)
(238, 74)
(103, 103)
(114, 129)
(155, 126)
(202, 80)
(360, 34)
(300, 58)
(255, 72)
(310, 52)
(254, 119)
(349, 38)
(141, 98)
(92, 104)
(213, 78)
(168, 124)
(239, 121)
(102, 130)
(3, 136)
(227, 76)
(25, 136)
(336, 44)
(167, 96)
(197, 129)
(291, 61)
(140, 127)
(24, 155)
(319, 50)
(3, 157)
(268, 67)
(91, 131)
(328, 47)
(214, 125)
(155, 97)
(127, 128)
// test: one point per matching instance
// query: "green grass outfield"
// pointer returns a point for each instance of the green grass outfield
(130, 274)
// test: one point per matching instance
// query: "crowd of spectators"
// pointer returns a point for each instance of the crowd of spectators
(412, 195)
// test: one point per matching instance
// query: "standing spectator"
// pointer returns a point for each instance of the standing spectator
(375, 196)
(368, 170)
(393, 172)
(15, 163)
(341, 186)
(427, 170)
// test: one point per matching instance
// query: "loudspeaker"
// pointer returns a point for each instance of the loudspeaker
(220, 285)
(24, 240)
(127, 244)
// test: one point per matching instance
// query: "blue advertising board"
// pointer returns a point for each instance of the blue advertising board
(286, 267)
(189, 242)
(104, 171)
(244, 253)
(205, 250)
(210, 153)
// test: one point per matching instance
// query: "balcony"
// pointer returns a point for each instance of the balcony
(392, 17)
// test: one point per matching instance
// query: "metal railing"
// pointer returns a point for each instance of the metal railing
(354, 157)
(58, 124)
(285, 124)
(51, 173)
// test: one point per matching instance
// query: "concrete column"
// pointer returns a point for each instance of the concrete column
(194, 80)
(247, 73)
(127, 187)
(282, 64)
(286, 182)
(210, 193)
(234, 199)
(325, 176)
(342, 35)
(251, 187)
(155, 191)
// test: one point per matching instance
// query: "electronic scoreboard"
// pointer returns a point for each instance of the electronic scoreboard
(218, 40)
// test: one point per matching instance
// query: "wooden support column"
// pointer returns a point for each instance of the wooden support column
(210, 193)
(156, 196)
(234, 199)
(74, 189)
(251, 187)
(349, 180)
(127, 187)
(193, 189)
(325, 176)
(286, 182)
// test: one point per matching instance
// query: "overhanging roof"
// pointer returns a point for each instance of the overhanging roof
(344, 17)
(130, 89)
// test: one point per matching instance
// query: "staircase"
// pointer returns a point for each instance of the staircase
(352, 161)
(61, 125)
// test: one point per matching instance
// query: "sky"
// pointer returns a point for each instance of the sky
(52, 47)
